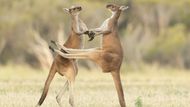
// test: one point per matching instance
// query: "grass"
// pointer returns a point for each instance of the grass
(138, 102)
(21, 86)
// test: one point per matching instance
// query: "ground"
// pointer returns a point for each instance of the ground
(22, 86)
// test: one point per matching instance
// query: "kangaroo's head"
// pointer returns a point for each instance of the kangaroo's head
(73, 10)
(115, 8)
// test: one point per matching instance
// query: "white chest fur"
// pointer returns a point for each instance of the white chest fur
(104, 26)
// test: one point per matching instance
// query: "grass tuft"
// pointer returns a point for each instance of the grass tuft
(138, 102)
(21, 86)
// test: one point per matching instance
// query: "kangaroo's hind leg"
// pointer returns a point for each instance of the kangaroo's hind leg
(70, 74)
(119, 88)
(71, 78)
(50, 77)
(61, 93)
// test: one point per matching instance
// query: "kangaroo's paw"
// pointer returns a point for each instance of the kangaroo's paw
(91, 35)
(53, 42)
(51, 48)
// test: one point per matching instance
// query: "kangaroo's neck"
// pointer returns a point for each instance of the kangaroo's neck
(75, 18)
(111, 22)
(112, 41)
(75, 21)
(74, 40)
(115, 16)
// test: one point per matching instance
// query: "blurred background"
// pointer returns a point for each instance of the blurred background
(151, 31)
(155, 35)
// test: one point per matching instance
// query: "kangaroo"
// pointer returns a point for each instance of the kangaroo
(64, 66)
(109, 57)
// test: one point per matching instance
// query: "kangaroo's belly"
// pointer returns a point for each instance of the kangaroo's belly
(64, 64)
(109, 61)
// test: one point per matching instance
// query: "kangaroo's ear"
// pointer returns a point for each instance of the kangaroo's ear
(124, 8)
(66, 10)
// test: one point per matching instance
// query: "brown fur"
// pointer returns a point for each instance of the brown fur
(110, 56)
(64, 66)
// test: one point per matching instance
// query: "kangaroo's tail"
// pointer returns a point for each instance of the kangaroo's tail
(47, 84)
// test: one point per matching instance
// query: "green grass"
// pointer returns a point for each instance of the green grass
(138, 102)
(21, 86)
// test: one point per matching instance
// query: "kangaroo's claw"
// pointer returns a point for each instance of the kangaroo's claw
(91, 35)
(91, 38)
(51, 48)
(53, 42)
(87, 32)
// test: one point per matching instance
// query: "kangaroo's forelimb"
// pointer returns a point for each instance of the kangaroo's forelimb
(85, 54)
(72, 51)
(101, 30)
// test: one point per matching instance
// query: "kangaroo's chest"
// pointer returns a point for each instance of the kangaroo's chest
(104, 26)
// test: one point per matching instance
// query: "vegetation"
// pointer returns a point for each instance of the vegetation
(138, 102)
(22, 87)
(152, 31)
(155, 35)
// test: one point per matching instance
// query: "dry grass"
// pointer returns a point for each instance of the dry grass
(22, 87)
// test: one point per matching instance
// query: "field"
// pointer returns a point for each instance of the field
(153, 87)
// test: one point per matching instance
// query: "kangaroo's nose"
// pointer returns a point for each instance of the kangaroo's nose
(80, 8)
